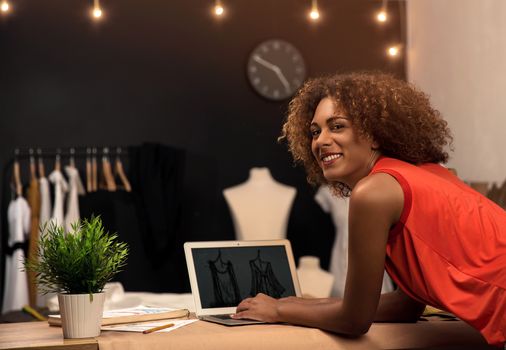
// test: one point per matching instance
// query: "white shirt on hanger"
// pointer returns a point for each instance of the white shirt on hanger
(76, 188)
(45, 201)
(60, 188)
(16, 280)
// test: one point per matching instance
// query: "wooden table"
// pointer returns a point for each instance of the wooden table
(39, 335)
(204, 335)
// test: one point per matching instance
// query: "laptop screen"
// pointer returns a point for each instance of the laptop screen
(226, 275)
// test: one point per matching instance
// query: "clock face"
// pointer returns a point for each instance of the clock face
(276, 69)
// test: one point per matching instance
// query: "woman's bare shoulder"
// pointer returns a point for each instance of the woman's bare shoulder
(378, 192)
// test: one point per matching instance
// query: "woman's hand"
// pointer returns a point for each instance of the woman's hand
(262, 308)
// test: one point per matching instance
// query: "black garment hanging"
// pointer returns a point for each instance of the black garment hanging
(156, 174)
(118, 211)
(148, 219)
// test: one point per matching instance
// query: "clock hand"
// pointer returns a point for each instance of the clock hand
(265, 63)
(285, 82)
(275, 69)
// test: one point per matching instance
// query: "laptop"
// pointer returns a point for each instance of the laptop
(223, 273)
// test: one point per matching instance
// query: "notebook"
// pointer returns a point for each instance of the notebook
(222, 273)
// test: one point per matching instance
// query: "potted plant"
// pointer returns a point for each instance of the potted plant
(76, 265)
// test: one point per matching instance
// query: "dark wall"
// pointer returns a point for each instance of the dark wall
(170, 72)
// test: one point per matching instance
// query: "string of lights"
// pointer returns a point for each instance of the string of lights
(97, 11)
(219, 10)
(382, 17)
(5, 6)
(314, 14)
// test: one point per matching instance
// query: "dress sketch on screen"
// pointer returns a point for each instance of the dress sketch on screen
(226, 289)
(263, 279)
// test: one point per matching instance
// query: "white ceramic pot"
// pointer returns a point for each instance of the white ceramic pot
(81, 318)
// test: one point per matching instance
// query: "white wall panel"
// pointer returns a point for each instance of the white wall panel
(457, 54)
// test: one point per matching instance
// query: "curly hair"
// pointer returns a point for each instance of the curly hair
(390, 111)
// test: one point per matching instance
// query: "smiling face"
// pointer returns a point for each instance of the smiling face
(342, 154)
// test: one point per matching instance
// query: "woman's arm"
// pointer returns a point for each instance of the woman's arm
(395, 306)
(375, 206)
(308, 300)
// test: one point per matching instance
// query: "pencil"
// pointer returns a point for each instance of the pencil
(154, 329)
(34, 313)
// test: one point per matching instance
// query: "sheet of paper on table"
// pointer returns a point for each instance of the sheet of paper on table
(142, 326)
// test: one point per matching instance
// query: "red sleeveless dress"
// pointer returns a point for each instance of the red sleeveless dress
(448, 249)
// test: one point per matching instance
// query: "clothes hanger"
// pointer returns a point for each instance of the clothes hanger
(101, 182)
(33, 168)
(72, 166)
(89, 180)
(17, 175)
(118, 168)
(72, 161)
(107, 171)
(57, 161)
(94, 170)
(42, 172)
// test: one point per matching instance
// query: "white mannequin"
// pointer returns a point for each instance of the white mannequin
(260, 206)
(338, 208)
(314, 282)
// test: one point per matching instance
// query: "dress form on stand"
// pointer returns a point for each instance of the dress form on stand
(260, 207)
(314, 282)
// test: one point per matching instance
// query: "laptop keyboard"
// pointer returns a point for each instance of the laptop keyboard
(223, 317)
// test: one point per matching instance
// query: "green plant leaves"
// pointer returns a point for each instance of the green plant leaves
(77, 262)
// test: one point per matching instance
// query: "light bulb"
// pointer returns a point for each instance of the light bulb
(218, 10)
(97, 12)
(381, 16)
(4, 6)
(314, 14)
(393, 51)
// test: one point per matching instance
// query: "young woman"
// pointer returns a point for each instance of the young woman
(378, 140)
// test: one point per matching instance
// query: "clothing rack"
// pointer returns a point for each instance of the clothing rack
(102, 168)
(91, 154)
(79, 152)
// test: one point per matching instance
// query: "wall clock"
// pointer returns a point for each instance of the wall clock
(276, 69)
